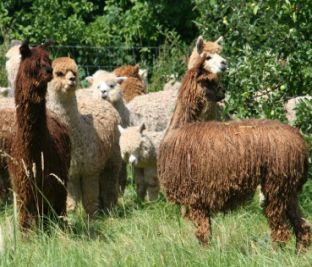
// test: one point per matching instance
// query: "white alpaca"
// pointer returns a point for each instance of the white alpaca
(139, 148)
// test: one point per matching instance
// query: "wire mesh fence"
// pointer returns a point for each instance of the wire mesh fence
(90, 59)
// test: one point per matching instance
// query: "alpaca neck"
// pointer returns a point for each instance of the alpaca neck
(65, 106)
(31, 125)
(192, 104)
(123, 112)
(193, 59)
(181, 116)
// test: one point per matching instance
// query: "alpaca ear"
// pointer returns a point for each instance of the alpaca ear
(121, 130)
(47, 44)
(15, 43)
(200, 44)
(90, 80)
(121, 79)
(137, 69)
(142, 127)
(143, 72)
(219, 40)
(25, 49)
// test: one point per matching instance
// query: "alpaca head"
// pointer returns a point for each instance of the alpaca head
(65, 75)
(128, 71)
(35, 63)
(34, 73)
(108, 84)
(200, 82)
(130, 143)
(214, 63)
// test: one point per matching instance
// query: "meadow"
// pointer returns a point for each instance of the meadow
(151, 234)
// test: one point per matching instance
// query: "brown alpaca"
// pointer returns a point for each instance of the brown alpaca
(41, 145)
(7, 119)
(217, 166)
(134, 85)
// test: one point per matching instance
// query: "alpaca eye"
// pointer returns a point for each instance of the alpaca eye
(208, 58)
(59, 73)
(111, 86)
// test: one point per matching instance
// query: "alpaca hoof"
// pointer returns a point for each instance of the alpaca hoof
(304, 243)
(71, 204)
(202, 236)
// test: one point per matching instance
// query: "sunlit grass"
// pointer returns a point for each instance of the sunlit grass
(150, 234)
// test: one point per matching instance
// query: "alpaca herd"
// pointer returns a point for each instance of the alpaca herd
(60, 145)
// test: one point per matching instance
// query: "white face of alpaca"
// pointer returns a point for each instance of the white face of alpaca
(214, 63)
(110, 90)
(130, 142)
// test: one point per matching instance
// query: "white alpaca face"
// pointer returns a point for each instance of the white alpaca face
(110, 91)
(214, 63)
(130, 142)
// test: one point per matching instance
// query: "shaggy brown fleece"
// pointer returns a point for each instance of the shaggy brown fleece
(134, 85)
(216, 166)
(41, 146)
(128, 71)
(192, 104)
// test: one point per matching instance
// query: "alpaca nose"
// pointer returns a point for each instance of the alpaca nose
(49, 70)
(104, 93)
(72, 79)
(223, 65)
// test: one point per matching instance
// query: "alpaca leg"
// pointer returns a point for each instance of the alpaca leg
(275, 211)
(27, 214)
(151, 181)
(123, 177)
(138, 174)
(74, 193)
(109, 185)
(200, 217)
(301, 227)
(90, 194)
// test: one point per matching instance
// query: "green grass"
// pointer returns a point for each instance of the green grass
(151, 234)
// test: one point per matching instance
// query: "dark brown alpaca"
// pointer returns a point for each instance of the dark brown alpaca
(217, 166)
(41, 145)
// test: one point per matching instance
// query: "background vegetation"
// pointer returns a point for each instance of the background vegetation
(268, 47)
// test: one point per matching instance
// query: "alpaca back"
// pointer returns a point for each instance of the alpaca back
(154, 109)
(106, 118)
(219, 161)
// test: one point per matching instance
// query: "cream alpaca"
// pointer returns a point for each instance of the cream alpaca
(94, 135)
(139, 148)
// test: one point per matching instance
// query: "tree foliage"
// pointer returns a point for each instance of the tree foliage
(268, 44)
